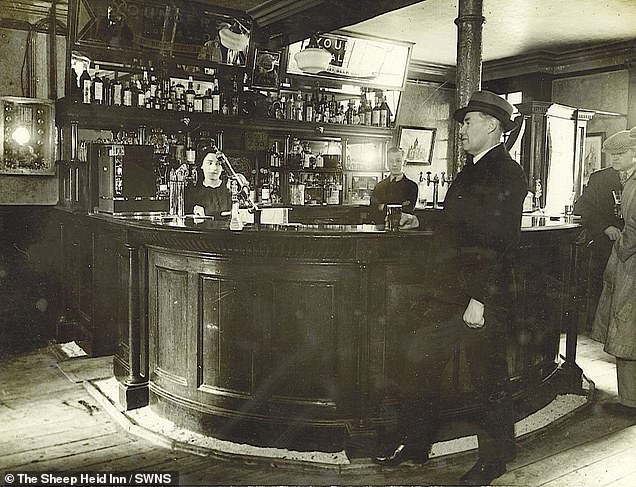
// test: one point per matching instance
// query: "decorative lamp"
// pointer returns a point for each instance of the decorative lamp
(313, 59)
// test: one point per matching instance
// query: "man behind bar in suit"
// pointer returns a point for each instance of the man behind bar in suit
(397, 189)
(469, 301)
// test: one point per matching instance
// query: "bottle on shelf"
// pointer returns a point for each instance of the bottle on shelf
(385, 113)
(98, 88)
(117, 91)
(189, 95)
(179, 93)
(207, 101)
(375, 112)
(349, 114)
(144, 97)
(85, 85)
(225, 109)
(141, 91)
(367, 112)
(216, 97)
(198, 100)
(107, 91)
(127, 94)
(333, 109)
(308, 114)
(265, 188)
(190, 152)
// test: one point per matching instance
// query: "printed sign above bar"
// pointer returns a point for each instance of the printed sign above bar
(185, 29)
(358, 59)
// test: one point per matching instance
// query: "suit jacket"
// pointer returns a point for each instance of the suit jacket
(387, 192)
(596, 207)
(480, 225)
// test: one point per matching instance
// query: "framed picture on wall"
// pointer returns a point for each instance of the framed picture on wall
(593, 155)
(417, 144)
(265, 71)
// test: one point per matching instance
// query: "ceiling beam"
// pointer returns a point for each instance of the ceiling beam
(283, 22)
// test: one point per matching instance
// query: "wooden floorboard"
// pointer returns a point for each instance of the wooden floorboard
(48, 421)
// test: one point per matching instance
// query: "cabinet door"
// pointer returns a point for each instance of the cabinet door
(364, 167)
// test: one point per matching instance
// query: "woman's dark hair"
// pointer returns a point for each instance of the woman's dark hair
(201, 153)
(204, 151)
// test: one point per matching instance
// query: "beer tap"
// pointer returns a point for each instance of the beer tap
(436, 191)
(538, 192)
(435, 183)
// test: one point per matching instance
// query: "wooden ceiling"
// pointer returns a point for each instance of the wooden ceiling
(513, 28)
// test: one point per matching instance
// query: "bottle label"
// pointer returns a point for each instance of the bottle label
(375, 118)
(99, 91)
(117, 95)
(86, 91)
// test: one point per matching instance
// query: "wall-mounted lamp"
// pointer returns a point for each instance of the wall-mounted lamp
(313, 59)
(21, 135)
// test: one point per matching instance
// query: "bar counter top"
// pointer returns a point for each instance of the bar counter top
(191, 223)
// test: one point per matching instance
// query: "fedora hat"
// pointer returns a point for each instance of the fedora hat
(491, 104)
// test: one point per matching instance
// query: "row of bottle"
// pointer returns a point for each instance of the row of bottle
(313, 107)
(302, 157)
(158, 93)
(315, 189)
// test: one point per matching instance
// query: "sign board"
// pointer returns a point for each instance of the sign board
(357, 59)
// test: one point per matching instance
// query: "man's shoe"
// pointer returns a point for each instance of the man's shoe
(483, 473)
(400, 454)
(618, 409)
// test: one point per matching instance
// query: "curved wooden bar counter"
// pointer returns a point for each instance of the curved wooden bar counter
(286, 335)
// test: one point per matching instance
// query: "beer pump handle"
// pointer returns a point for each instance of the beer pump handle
(243, 184)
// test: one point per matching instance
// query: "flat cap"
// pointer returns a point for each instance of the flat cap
(620, 141)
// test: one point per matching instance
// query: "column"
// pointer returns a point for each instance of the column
(469, 46)
(631, 96)
(133, 391)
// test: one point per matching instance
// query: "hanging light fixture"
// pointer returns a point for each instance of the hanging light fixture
(313, 59)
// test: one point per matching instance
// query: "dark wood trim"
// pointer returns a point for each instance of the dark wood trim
(604, 57)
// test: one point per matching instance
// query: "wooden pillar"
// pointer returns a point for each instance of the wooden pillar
(133, 391)
(631, 96)
(469, 46)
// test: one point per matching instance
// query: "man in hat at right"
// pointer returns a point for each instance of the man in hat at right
(469, 301)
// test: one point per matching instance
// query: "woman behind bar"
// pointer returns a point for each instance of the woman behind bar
(211, 195)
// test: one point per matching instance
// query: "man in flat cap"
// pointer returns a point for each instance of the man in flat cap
(471, 275)
(598, 211)
(615, 320)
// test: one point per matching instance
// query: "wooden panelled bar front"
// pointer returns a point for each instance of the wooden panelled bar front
(286, 336)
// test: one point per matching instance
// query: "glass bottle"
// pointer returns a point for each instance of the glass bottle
(385, 113)
(189, 95)
(375, 113)
(198, 100)
(85, 85)
(98, 88)
(126, 94)
(117, 91)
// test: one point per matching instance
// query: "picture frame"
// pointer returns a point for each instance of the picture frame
(593, 157)
(417, 144)
(265, 71)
